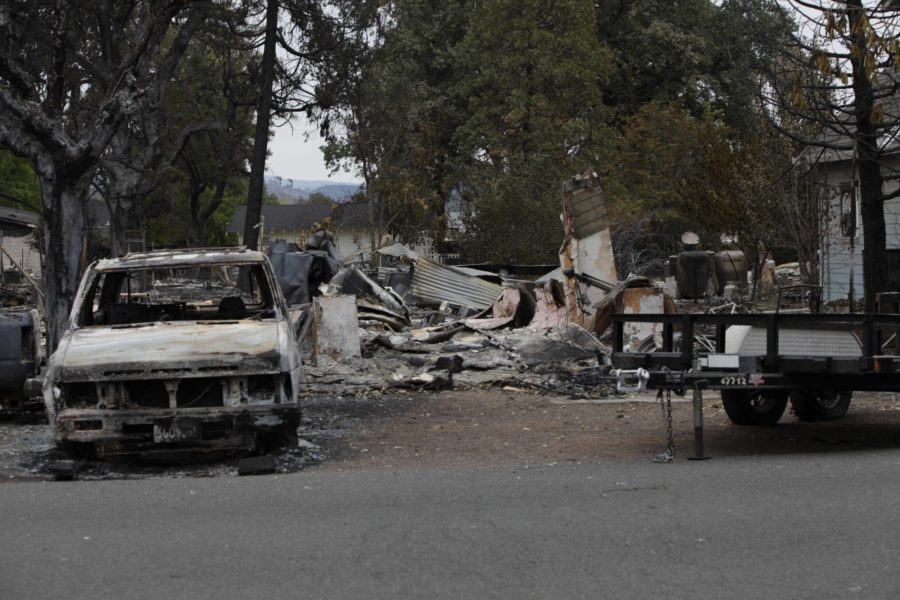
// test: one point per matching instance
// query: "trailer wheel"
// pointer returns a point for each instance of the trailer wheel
(763, 407)
(820, 405)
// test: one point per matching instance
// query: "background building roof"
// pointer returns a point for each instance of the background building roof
(293, 217)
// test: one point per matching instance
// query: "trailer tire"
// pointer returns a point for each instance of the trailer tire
(820, 405)
(754, 408)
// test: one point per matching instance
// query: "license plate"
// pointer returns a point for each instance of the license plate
(176, 429)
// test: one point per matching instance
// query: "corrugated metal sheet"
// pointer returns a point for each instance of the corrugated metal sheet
(477, 272)
(438, 283)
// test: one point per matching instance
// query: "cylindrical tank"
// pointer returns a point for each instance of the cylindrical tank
(731, 265)
(692, 271)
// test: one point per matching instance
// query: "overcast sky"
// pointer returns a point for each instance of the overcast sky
(293, 156)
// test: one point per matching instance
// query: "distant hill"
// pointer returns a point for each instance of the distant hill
(339, 191)
(292, 191)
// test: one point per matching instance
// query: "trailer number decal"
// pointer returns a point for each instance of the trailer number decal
(754, 379)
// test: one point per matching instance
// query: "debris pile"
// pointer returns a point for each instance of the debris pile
(433, 327)
(567, 359)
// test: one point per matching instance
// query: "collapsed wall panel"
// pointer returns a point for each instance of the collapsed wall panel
(587, 247)
(335, 325)
(641, 300)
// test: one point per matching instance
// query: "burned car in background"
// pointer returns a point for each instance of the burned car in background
(173, 353)
(21, 356)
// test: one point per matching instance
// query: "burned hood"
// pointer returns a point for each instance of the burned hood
(166, 349)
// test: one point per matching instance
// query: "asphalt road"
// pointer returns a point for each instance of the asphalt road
(780, 526)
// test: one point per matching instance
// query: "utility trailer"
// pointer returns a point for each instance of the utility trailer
(759, 362)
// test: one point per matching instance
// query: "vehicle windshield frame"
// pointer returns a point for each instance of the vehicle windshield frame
(93, 295)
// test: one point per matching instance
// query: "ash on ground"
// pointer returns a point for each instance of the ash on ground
(28, 452)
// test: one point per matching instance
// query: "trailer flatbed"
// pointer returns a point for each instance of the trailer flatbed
(760, 361)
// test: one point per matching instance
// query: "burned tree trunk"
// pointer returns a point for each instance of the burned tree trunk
(868, 167)
(63, 203)
(261, 138)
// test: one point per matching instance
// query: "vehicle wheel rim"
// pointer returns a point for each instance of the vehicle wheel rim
(828, 400)
(762, 402)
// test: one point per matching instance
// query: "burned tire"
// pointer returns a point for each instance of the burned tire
(285, 436)
(762, 407)
(820, 405)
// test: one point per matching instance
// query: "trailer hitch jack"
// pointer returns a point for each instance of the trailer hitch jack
(698, 421)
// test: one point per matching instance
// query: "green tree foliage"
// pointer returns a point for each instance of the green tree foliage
(494, 103)
(19, 187)
(396, 115)
(685, 88)
(535, 115)
(665, 183)
(166, 215)
(679, 172)
(188, 145)
(705, 56)
(212, 159)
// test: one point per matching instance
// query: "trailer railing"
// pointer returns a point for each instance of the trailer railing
(878, 334)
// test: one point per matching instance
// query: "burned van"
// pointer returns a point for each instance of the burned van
(175, 352)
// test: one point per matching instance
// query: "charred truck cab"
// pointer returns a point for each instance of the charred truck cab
(175, 352)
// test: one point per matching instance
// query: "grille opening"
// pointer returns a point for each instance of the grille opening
(216, 430)
(261, 388)
(200, 391)
(81, 395)
(137, 428)
(287, 388)
(150, 394)
(89, 425)
(124, 372)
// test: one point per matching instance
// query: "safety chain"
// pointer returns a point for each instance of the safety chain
(666, 406)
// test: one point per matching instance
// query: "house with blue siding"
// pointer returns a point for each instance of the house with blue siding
(833, 167)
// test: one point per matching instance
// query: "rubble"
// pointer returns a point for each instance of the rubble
(408, 345)
(374, 302)
(300, 274)
(457, 355)
(16, 295)
(550, 304)
(434, 282)
(514, 307)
